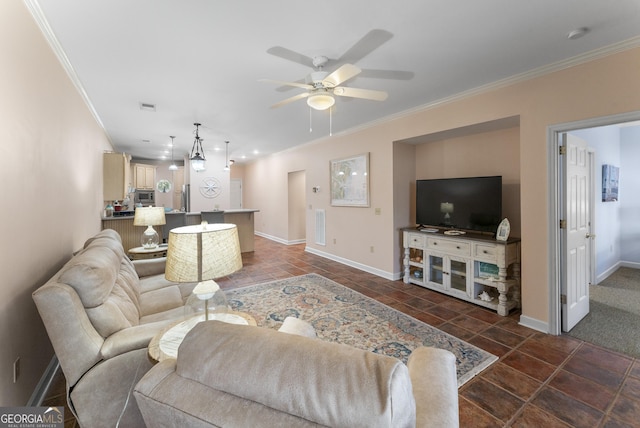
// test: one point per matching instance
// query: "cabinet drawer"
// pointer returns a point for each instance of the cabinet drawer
(485, 251)
(416, 241)
(449, 246)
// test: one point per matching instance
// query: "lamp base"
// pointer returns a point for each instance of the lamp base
(150, 238)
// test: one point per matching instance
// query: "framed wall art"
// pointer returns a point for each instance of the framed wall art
(350, 181)
(610, 177)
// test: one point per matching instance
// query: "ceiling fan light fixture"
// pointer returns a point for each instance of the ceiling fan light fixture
(321, 101)
(198, 161)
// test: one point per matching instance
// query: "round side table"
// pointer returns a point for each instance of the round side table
(165, 344)
(139, 253)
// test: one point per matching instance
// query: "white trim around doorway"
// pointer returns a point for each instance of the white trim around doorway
(555, 195)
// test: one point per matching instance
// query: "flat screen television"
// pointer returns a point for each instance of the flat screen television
(473, 203)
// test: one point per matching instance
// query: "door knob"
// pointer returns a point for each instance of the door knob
(590, 235)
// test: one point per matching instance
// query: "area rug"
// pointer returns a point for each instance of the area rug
(342, 315)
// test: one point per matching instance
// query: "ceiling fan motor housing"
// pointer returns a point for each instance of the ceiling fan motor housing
(315, 78)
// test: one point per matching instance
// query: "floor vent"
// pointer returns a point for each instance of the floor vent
(320, 232)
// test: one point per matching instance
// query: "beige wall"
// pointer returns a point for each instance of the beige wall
(601, 87)
(51, 174)
(482, 154)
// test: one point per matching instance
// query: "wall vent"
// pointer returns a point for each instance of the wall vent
(147, 107)
(320, 231)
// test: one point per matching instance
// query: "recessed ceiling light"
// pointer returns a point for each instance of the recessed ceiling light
(147, 107)
(577, 33)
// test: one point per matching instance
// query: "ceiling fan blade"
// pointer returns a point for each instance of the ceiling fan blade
(290, 55)
(363, 47)
(341, 75)
(294, 84)
(290, 100)
(367, 94)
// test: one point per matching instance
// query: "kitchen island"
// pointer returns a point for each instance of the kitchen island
(130, 234)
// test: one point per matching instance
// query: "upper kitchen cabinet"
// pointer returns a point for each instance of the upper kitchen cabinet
(144, 176)
(117, 176)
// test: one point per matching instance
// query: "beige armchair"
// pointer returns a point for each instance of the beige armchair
(100, 312)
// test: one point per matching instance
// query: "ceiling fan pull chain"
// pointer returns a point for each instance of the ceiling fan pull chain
(310, 121)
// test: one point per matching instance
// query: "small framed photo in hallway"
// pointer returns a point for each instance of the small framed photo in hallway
(610, 178)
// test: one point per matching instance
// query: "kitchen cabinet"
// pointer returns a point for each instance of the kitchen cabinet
(116, 176)
(144, 176)
(475, 268)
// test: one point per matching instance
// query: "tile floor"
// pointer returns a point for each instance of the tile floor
(539, 380)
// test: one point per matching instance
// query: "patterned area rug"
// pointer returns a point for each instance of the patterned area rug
(342, 315)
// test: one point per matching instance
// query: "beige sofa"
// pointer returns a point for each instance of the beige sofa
(242, 376)
(100, 312)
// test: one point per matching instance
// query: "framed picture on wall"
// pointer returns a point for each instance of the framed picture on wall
(350, 181)
(610, 182)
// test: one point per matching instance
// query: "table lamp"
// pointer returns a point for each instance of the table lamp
(149, 216)
(202, 253)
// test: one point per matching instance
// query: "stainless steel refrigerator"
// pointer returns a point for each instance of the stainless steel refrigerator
(185, 200)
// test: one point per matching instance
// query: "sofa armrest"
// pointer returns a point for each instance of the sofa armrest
(149, 267)
(129, 339)
(435, 387)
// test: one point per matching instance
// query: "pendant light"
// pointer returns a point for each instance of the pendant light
(226, 165)
(198, 160)
(173, 165)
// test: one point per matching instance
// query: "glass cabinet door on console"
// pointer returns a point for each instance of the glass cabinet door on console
(447, 273)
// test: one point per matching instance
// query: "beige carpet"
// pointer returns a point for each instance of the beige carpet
(613, 321)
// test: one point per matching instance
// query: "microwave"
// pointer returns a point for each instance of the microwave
(144, 197)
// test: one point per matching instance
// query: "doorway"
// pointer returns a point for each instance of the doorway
(296, 210)
(557, 209)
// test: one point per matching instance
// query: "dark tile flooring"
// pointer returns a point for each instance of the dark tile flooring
(539, 380)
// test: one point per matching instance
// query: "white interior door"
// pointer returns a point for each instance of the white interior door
(578, 194)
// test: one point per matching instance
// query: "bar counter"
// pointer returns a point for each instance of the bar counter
(130, 234)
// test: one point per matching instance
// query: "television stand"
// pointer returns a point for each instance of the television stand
(471, 267)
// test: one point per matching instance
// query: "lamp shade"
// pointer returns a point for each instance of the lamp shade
(149, 216)
(202, 252)
(446, 207)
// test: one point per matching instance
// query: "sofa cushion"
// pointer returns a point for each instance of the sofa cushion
(324, 382)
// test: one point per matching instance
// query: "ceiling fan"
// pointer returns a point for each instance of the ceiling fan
(321, 86)
(363, 47)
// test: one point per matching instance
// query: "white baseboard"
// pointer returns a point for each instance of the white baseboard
(386, 275)
(604, 275)
(38, 395)
(362, 267)
(535, 324)
(632, 265)
(280, 240)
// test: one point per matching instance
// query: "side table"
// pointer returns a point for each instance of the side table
(139, 253)
(165, 344)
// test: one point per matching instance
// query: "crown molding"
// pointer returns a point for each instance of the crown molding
(34, 8)
(528, 75)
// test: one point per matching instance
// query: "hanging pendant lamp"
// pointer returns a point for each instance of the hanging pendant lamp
(173, 165)
(197, 160)
(226, 165)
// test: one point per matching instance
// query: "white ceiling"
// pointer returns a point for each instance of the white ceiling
(201, 60)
